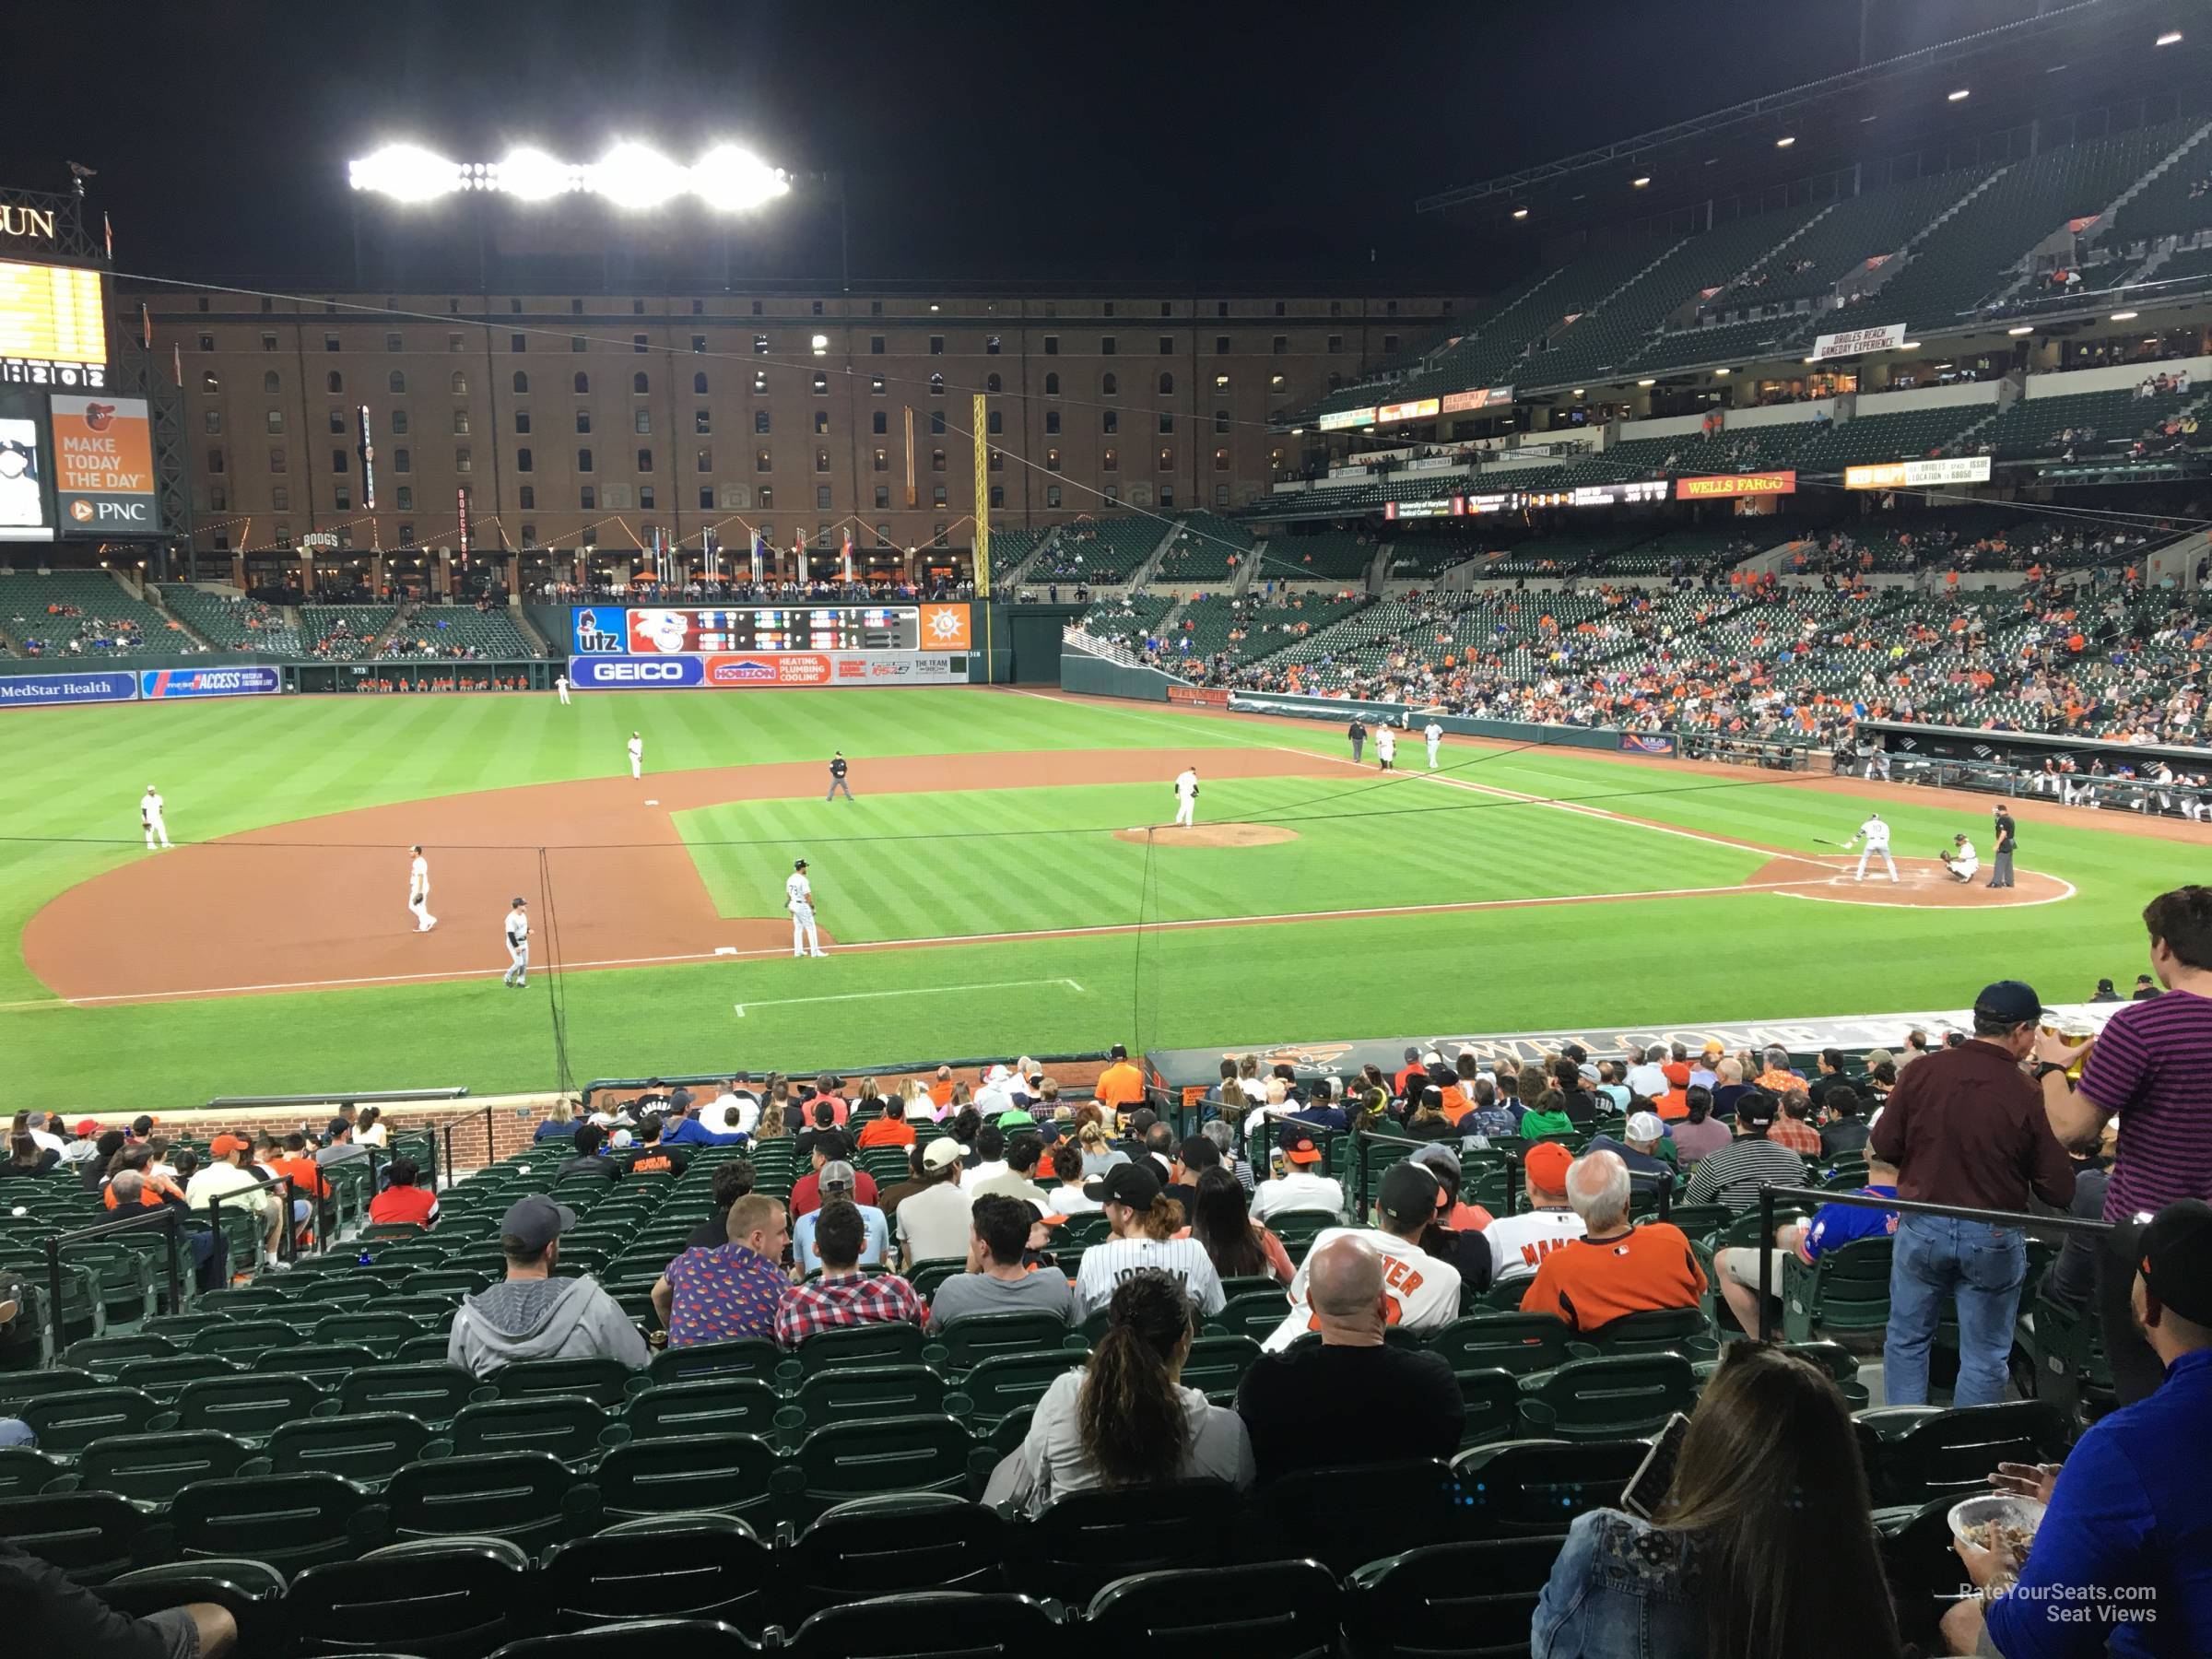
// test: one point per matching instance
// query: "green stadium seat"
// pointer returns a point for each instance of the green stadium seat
(1256, 1313)
(644, 1639)
(1082, 1542)
(688, 1567)
(1536, 1488)
(19, 1388)
(1493, 1399)
(428, 1349)
(1263, 1610)
(1216, 1366)
(886, 1344)
(102, 1355)
(566, 1425)
(250, 1592)
(965, 1342)
(519, 1495)
(435, 1393)
(289, 1520)
(713, 1404)
(847, 1393)
(447, 1598)
(1845, 1293)
(149, 1470)
(1619, 1397)
(65, 1424)
(602, 1381)
(166, 1378)
(1925, 1453)
(365, 1447)
(89, 1536)
(1521, 1343)
(326, 1364)
(1839, 1363)
(900, 1544)
(2067, 1348)
(1684, 1331)
(1008, 1382)
(250, 1404)
(243, 1339)
(866, 1460)
(1449, 1601)
(754, 1356)
(24, 1472)
(671, 1475)
(380, 1327)
(1342, 1517)
(945, 1625)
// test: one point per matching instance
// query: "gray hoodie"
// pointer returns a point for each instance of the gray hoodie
(541, 1319)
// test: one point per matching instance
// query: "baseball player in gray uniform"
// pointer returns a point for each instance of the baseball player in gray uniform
(518, 946)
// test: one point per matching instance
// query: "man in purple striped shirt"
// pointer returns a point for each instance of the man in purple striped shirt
(2152, 1065)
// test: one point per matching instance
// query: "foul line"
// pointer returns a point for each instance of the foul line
(792, 1002)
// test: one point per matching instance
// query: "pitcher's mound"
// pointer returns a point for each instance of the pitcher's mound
(1923, 884)
(1210, 835)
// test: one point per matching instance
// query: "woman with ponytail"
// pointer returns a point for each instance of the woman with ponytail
(1125, 1419)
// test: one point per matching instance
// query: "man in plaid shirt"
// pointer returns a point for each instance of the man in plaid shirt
(1794, 1125)
(844, 1295)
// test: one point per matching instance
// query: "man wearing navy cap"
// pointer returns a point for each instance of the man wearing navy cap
(531, 1314)
(2119, 1564)
(1965, 1126)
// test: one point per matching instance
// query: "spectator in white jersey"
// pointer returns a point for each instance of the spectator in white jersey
(1420, 1291)
(1144, 1222)
(1520, 1242)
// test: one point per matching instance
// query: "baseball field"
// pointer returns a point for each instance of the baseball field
(999, 879)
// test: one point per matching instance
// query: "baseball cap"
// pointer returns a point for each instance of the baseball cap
(1134, 1184)
(1676, 1073)
(1440, 1157)
(536, 1221)
(86, 1128)
(2172, 1250)
(1713, 1045)
(1545, 1163)
(2011, 1000)
(1297, 1145)
(1407, 1194)
(1430, 1057)
(1645, 1126)
(836, 1175)
(1755, 1106)
(799, 864)
(222, 1146)
(940, 1152)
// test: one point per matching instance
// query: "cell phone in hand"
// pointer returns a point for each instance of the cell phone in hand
(1647, 1488)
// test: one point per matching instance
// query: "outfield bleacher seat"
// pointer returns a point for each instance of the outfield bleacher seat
(459, 631)
(343, 633)
(228, 620)
(85, 614)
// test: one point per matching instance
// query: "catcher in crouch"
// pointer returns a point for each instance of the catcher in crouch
(1962, 861)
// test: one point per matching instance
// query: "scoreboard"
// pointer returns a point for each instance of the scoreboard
(53, 330)
(614, 631)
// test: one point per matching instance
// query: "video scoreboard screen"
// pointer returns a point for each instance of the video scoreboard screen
(52, 331)
(611, 630)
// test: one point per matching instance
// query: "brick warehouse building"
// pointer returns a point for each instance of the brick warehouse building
(584, 421)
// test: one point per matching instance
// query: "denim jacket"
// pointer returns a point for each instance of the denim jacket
(1621, 1589)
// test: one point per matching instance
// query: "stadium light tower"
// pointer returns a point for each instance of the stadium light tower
(631, 176)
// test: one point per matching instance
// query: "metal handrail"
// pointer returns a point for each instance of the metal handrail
(2024, 1222)
(167, 1218)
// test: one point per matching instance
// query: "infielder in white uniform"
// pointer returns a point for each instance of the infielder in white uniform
(1386, 748)
(1876, 834)
(798, 897)
(637, 756)
(1962, 860)
(1434, 735)
(1187, 796)
(149, 820)
(560, 684)
(418, 891)
(518, 947)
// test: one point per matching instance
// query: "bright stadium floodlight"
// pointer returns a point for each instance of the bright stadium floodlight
(530, 175)
(2025, 328)
(735, 180)
(634, 175)
(2172, 37)
(406, 172)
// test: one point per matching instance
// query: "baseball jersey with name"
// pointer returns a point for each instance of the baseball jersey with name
(1422, 1292)
(1519, 1243)
(1184, 1259)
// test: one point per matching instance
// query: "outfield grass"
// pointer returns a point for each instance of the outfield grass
(68, 806)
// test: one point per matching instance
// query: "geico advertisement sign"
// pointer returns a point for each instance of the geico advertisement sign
(763, 668)
(633, 674)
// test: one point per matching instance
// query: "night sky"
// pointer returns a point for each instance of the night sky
(994, 141)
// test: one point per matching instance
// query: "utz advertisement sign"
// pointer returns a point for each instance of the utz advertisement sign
(252, 681)
(45, 691)
(104, 466)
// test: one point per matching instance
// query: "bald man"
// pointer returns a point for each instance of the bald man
(1287, 1397)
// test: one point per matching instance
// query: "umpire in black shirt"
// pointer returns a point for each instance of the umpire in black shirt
(836, 777)
(2007, 839)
